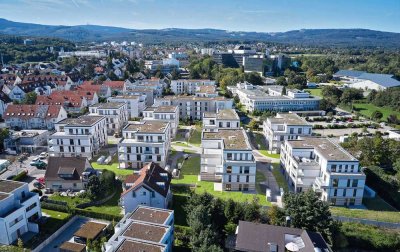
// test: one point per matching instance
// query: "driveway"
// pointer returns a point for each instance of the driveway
(270, 182)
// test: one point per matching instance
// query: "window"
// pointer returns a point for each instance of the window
(153, 194)
(237, 178)
(335, 182)
(344, 192)
(333, 168)
(82, 149)
(229, 178)
(229, 169)
(31, 207)
(144, 193)
(354, 192)
(299, 130)
(355, 183)
(228, 187)
(246, 170)
(335, 192)
(133, 194)
(348, 183)
(158, 158)
(229, 156)
(333, 202)
(71, 141)
(247, 179)
(291, 131)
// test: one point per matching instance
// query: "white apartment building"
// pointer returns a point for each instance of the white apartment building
(228, 160)
(189, 86)
(145, 229)
(116, 114)
(19, 211)
(78, 137)
(163, 114)
(158, 85)
(262, 98)
(144, 142)
(135, 104)
(285, 126)
(324, 166)
(192, 107)
(223, 119)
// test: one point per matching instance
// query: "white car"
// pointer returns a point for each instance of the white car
(43, 155)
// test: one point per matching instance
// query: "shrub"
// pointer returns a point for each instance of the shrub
(55, 207)
(20, 176)
(96, 215)
(37, 191)
(362, 236)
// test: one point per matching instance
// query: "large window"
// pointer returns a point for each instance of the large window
(335, 182)
(229, 169)
(355, 183)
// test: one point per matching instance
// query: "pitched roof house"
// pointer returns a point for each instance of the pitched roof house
(150, 187)
(68, 173)
(33, 116)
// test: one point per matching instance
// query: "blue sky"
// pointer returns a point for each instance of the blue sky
(238, 15)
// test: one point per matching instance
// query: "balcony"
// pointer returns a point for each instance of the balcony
(319, 183)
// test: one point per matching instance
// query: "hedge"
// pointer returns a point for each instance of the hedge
(83, 212)
(371, 238)
(20, 176)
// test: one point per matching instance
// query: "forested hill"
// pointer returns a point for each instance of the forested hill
(314, 37)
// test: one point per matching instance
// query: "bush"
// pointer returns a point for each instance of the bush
(182, 236)
(37, 191)
(368, 237)
(20, 176)
(96, 215)
(55, 207)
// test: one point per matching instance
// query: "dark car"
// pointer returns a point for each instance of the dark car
(38, 185)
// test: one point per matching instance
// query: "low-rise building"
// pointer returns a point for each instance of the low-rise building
(143, 142)
(319, 164)
(192, 107)
(258, 237)
(68, 173)
(149, 187)
(145, 229)
(283, 127)
(19, 211)
(222, 119)
(135, 104)
(26, 140)
(189, 86)
(163, 114)
(116, 114)
(33, 116)
(367, 81)
(227, 159)
(273, 98)
(78, 137)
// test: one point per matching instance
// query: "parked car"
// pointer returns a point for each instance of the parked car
(44, 198)
(49, 191)
(39, 164)
(43, 155)
(101, 159)
(38, 185)
(35, 161)
(11, 177)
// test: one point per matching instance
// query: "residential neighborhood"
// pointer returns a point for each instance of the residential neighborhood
(149, 138)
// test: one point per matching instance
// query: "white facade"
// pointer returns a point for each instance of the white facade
(163, 114)
(259, 98)
(135, 104)
(192, 107)
(189, 86)
(284, 127)
(143, 142)
(116, 114)
(223, 119)
(325, 167)
(228, 160)
(19, 211)
(79, 137)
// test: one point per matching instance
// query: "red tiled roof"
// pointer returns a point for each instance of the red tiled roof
(149, 175)
(31, 111)
(69, 100)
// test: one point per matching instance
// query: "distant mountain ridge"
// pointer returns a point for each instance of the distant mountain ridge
(87, 33)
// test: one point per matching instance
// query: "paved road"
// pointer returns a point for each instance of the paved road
(270, 183)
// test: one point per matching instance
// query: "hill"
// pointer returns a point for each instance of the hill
(315, 37)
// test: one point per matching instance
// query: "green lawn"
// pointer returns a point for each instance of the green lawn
(189, 175)
(280, 179)
(71, 201)
(109, 207)
(181, 144)
(367, 109)
(387, 216)
(112, 167)
(268, 154)
(195, 137)
(314, 91)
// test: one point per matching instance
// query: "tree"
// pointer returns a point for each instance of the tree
(275, 215)
(254, 78)
(281, 81)
(107, 181)
(252, 210)
(284, 90)
(94, 189)
(377, 115)
(307, 212)
(30, 98)
(351, 94)
(4, 133)
(253, 124)
(88, 70)
(331, 94)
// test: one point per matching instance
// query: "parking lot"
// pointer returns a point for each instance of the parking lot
(17, 167)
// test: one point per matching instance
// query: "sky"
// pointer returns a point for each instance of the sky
(234, 15)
